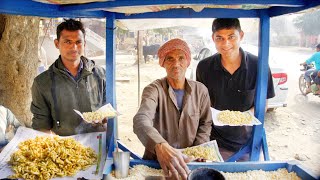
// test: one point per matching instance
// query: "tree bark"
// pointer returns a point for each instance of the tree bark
(18, 63)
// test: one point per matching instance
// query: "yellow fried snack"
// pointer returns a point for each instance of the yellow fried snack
(234, 117)
(97, 115)
(207, 153)
(48, 157)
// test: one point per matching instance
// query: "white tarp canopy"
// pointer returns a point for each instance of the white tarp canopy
(144, 24)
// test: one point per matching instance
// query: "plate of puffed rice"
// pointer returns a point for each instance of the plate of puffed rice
(208, 151)
(233, 118)
(104, 112)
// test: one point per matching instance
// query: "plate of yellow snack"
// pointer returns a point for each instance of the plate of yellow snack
(106, 111)
(233, 118)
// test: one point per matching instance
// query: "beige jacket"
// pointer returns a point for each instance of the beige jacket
(158, 119)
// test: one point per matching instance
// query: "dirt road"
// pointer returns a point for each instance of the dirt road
(293, 131)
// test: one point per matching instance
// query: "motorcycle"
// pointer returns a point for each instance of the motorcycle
(303, 85)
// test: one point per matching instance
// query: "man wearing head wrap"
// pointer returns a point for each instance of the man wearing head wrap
(174, 112)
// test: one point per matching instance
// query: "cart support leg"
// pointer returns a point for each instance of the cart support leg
(262, 84)
(110, 79)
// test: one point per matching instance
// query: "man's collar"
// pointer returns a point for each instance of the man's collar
(187, 87)
(243, 65)
(62, 67)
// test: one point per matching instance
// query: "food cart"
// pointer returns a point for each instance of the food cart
(141, 9)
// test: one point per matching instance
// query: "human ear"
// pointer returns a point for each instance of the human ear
(241, 34)
(56, 43)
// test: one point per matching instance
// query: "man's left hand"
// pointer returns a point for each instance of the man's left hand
(99, 123)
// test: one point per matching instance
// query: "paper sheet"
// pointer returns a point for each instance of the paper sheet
(106, 108)
(215, 113)
(89, 139)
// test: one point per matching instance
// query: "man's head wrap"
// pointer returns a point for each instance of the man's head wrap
(171, 45)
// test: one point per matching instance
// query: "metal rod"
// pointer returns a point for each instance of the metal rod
(139, 56)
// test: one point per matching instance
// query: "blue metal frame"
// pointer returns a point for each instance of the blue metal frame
(32, 8)
(112, 133)
(125, 148)
(262, 84)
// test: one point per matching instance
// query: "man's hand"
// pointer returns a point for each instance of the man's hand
(99, 123)
(252, 110)
(104, 121)
(319, 73)
(172, 160)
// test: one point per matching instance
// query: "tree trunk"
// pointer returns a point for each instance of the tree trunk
(18, 63)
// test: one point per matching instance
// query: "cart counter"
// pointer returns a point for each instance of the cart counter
(232, 167)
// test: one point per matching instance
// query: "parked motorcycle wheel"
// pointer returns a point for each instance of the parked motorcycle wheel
(302, 84)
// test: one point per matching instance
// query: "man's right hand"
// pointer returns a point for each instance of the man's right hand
(172, 160)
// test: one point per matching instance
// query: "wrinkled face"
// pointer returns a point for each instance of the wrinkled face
(175, 64)
(71, 45)
(227, 41)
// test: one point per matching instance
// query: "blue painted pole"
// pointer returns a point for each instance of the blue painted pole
(110, 79)
(265, 146)
(262, 84)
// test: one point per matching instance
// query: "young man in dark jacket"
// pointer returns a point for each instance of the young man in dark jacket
(71, 82)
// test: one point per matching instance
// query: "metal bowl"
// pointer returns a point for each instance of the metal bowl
(205, 173)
